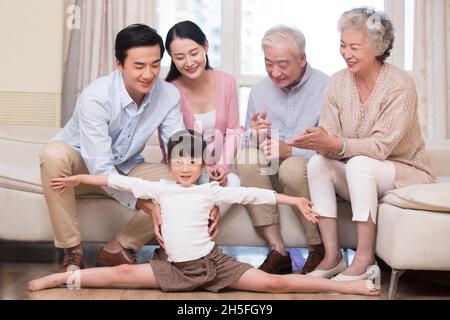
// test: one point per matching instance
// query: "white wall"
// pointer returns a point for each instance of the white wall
(31, 61)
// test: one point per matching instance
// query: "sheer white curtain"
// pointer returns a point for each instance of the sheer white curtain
(432, 66)
(89, 49)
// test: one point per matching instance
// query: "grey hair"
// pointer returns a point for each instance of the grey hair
(294, 37)
(375, 24)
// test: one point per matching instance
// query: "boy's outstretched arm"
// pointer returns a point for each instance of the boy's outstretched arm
(246, 195)
(303, 204)
(61, 184)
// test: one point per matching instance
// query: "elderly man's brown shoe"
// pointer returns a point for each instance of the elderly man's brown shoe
(276, 263)
(315, 256)
(107, 259)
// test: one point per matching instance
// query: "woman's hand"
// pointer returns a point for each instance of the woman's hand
(319, 140)
(61, 184)
(211, 171)
(218, 173)
(305, 207)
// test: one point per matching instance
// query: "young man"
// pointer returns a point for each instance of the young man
(113, 119)
(288, 101)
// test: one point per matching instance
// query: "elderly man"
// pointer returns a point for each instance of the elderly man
(284, 104)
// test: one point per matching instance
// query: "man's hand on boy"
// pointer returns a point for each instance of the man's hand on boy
(305, 207)
(61, 184)
(155, 212)
(214, 218)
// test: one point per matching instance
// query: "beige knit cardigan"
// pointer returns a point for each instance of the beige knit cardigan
(385, 127)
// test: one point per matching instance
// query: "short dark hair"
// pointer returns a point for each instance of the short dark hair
(136, 35)
(186, 143)
(184, 30)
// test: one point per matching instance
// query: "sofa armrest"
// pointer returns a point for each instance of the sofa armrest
(439, 152)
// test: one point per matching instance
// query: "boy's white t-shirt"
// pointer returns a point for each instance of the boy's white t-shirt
(185, 210)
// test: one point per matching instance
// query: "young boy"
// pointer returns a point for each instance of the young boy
(190, 259)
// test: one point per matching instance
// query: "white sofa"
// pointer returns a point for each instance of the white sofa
(24, 217)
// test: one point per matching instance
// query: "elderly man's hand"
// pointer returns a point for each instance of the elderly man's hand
(276, 149)
(154, 211)
(260, 126)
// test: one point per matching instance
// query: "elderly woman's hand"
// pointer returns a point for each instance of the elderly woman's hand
(319, 140)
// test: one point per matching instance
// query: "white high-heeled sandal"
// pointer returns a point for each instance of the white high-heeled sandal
(342, 265)
(373, 273)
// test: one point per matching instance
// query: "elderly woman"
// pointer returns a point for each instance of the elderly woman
(368, 139)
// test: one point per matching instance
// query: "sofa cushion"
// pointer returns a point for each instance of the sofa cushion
(24, 217)
(439, 152)
(20, 147)
(430, 197)
(413, 239)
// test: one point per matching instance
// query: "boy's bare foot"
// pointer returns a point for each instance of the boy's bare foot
(46, 282)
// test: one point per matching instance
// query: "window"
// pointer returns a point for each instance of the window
(317, 23)
(234, 29)
(409, 34)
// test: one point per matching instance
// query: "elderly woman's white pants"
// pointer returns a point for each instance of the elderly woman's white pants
(361, 180)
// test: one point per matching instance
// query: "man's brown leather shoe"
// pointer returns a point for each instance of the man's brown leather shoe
(315, 256)
(73, 259)
(106, 259)
(276, 263)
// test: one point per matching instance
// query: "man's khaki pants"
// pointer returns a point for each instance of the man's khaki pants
(60, 160)
(291, 179)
